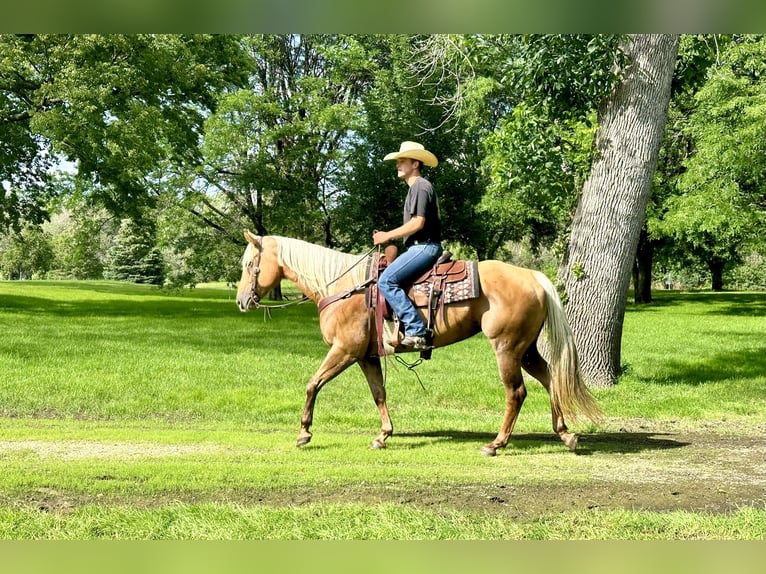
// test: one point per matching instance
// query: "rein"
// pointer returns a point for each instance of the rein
(358, 261)
(267, 308)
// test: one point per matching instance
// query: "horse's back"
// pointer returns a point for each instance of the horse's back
(504, 282)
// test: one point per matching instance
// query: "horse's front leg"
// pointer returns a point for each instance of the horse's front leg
(372, 371)
(336, 361)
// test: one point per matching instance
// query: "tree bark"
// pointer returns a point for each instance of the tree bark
(597, 268)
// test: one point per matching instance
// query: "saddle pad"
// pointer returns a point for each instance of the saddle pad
(454, 288)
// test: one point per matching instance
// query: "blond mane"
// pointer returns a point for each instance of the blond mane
(319, 269)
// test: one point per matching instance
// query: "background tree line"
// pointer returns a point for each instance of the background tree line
(175, 143)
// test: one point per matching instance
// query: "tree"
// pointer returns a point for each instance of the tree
(193, 250)
(515, 116)
(535, 165)
(78, 239)
(719, 208)
(597, 268)
(696, 55)
(276, 150)
(116, 105)
(407, 102)
(134, 255)
(26, 254)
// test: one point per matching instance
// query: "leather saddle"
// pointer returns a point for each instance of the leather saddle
(448, 281)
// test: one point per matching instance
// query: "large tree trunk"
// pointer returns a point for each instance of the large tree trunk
(596, 272)
(716, 266)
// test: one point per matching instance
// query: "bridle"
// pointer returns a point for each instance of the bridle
(254, 265)
(255, 268)
(253, 298)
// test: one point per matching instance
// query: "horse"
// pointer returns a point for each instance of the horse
(515, 308)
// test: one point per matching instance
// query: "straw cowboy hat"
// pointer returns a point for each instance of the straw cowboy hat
(413, 150)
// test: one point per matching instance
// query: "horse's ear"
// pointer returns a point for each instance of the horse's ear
(254, 239)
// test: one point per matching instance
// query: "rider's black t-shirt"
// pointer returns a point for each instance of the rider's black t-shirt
(421, 200)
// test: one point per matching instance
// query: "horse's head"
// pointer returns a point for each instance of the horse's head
(260, 272)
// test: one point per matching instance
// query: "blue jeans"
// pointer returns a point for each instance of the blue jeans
(405, 269)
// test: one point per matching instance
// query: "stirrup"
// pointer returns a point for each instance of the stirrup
(426, 353)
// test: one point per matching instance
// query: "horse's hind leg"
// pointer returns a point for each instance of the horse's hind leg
(372, 371)
(536, 366)
(336, 361)
(515, 393)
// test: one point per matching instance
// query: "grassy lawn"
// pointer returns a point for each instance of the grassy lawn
(129, 413)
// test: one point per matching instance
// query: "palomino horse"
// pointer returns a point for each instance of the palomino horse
(514, 306)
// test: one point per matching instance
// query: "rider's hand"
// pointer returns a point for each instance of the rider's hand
(379, 237)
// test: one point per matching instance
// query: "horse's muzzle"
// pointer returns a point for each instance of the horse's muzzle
(246, 302)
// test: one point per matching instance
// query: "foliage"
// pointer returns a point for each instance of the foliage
(276, 150)
(751, 274)
(78, 245)
(720, 207)
(538, 153)
(194, 251)
(26, 254)
(298, 150)
(115, 104)
(407, 102)
(81, 233)
(696, 55)
(567, 75)
(536, 165)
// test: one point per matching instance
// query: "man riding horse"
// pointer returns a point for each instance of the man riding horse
(421, 230)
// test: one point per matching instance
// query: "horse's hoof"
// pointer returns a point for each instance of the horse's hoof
(488, 451)
(303, 441)
(570, 441)
(377, 445)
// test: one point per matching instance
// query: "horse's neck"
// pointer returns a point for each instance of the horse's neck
(289, 274)
(317, 271)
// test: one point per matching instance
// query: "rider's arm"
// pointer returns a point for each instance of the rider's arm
(415, 224)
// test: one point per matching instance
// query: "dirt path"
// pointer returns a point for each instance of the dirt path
(640, 467)
(698, 472)
(649, 471)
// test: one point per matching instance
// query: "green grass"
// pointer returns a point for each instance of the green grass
(130, 413)
(109, 351)
(699, 356)
(357, 521)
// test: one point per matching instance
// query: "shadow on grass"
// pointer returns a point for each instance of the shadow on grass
(714, 368)
(142, 303)
(150, 318)
(724, 303)
(151, 307)
(608, 442)
(125, 299)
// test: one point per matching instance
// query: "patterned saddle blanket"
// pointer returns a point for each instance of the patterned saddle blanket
(453, 281)
(448, 282)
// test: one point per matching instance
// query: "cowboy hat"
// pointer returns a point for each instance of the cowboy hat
(413, 150)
